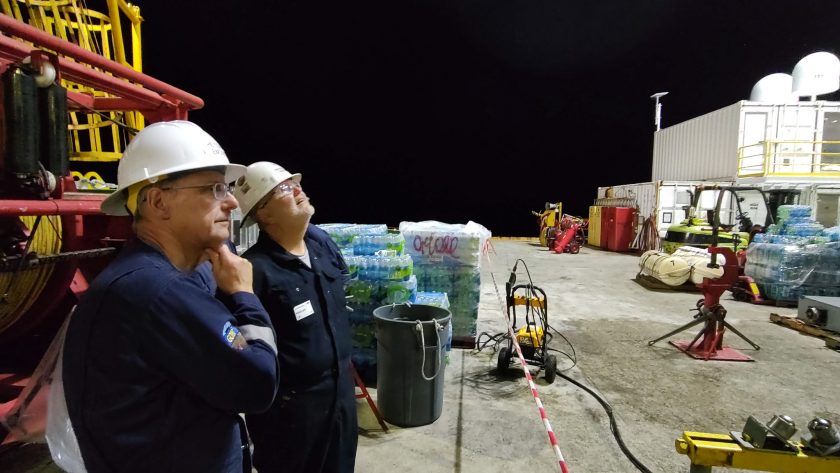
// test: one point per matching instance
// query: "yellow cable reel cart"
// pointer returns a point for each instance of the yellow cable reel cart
(531, 336)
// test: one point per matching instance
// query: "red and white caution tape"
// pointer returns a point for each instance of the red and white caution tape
(551, 437)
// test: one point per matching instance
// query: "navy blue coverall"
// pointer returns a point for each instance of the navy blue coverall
(155, 368)
(311, 427)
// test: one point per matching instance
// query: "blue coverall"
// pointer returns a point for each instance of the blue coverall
(156, 369)
(311, 427)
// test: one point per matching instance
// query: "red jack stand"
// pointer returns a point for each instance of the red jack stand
(747, 290)
(712, 314)
(365, 394)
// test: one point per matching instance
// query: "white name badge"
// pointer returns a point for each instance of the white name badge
(304, 310)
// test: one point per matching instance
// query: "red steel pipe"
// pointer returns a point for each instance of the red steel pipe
(80, 102)
(13, 50)
(17, 208)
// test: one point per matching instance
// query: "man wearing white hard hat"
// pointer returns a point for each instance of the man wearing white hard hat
(299, 275)
(156, 368)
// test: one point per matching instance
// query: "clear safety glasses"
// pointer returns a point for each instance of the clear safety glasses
(281, 190)
(220, 189)
(285, 188)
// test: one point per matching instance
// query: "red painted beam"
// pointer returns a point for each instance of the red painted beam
(79, 101)
(76, 72)
(15, 28)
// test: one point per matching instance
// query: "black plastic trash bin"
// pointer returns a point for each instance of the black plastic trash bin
(409, 386)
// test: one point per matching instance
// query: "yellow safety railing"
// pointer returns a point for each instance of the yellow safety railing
(98, 136)
(794, 158)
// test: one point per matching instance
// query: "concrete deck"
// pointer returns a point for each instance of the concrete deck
(490, 422)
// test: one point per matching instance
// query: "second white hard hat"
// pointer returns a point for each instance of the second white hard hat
(164, 148)
(260, 178)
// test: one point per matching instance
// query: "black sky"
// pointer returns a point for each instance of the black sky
(458, 110)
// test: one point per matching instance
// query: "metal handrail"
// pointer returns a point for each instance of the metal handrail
(770, 162)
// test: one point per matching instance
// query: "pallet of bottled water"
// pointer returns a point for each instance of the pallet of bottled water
(437, 299)
(366, 245)
(364, 296)
(795, 257)
(444, 243)
(344, 234)
(447, 258)
(380, 273)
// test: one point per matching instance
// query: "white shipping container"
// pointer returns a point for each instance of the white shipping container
(824, 199)
(242, 237)
(737, 141)
(667, 200)
(703, 148)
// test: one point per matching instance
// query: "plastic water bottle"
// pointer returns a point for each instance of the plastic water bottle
(382, 242)
(390, 268)
(352, 266)
(379, 264)
(364, 272)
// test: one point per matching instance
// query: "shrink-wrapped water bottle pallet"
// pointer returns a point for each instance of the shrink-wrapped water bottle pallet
(779, 302)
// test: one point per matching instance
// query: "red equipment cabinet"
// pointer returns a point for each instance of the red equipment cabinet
(617, 228)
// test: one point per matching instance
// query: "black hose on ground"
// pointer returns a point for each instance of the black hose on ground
(495, 339)
(613, 424)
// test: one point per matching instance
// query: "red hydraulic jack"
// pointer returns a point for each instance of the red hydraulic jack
(745, 290)
(712, 314)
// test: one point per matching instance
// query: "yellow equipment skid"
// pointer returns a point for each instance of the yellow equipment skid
(707, 450)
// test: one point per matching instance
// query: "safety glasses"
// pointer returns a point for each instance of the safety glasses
(281, 190)
(285, 188)
(220, 189)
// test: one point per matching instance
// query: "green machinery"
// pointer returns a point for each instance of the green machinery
(739, 212)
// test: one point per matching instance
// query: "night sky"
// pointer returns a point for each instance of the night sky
(464, 110)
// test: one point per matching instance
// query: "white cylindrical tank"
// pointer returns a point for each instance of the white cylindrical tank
(698, 260)
(671, 270)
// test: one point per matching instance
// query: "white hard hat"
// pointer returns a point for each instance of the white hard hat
(260, 178)
(164, 148)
